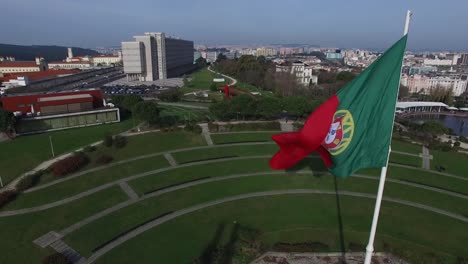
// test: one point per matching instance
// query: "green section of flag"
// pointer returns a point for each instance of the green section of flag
(366, 109)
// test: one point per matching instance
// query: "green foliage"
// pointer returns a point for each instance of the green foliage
(200, 63)
(147, 111)
(213, 87)
(269, 107)
(7, 121)
(434, 128)
(440, 94)
(108, 141)
(172, 95)
(126, 102)
(120, 141)
(298, 106)
(345, 76)
(457, 144)
(6, 197)
(221, 110)
(244, 104)
(193, 127)
(29, 181)
(261, 126)
(221, 57)
(89, 149)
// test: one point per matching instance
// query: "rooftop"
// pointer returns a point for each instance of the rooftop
(18, 64)
(32, 76)
(419, 104)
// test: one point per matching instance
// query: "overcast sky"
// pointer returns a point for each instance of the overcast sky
(441, 25)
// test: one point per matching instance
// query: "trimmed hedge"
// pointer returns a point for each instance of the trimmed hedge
(6, 197)
(120, 141)
(69, 164)
(29, 181)
(104, 159)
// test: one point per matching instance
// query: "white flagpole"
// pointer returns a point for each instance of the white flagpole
(383, 175)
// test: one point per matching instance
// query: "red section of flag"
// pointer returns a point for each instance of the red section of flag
(294, 146)
(226, 91)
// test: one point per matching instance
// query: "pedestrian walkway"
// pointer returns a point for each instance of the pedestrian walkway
(71, 255)
(426, 158)
(170, 159)
(233, 81)
(206, 134)
(128, 190)
(286, 127)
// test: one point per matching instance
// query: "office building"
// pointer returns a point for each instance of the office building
(155, 56)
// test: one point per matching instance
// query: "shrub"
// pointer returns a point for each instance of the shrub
(104, 159)
(29, 181)
(193, 127)
(69, 164)
(6, 197)
(108, 140)
(457, 144)
(120, 141)
(89, 148)
(56, 258)
(172, 95)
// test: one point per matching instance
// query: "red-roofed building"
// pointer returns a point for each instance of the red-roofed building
(23, 66)
(35, 76)
(70, 65)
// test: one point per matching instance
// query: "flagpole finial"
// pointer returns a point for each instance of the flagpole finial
(407, 22)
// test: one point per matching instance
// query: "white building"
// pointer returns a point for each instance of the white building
(82, 65)
(107, 59)
(302, 71)
(438, 62)
(421, 83)
(155, 56)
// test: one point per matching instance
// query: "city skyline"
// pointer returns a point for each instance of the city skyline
(338, 23)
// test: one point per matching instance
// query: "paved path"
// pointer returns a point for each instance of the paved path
(201, 206)
(243, 132)
(206, 134)
(128, 190)
(406, 153)
(135, 159)
(170, 159)
(110, 184)
(67, 251)
(233, 81)
(426, 158)
(287, 127)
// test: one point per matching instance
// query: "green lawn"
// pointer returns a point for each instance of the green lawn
(398, 145)
(406, 160)
(251, 88)
(226, 151)
(225, 138)
(18, 232)
(26, 152)
(279, 218)
(455, 163)
(201, 80)
(183, 113)
(85, 182)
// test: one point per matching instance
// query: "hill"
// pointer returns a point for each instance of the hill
(50, 53)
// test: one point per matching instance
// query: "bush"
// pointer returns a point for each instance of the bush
(69, 164)
(108, 141)
(213, 87)
(146, 111)
(89, 148)
(6, 197)
(104, 159)
(172, 95)
(120, 141)
(56, 258)
(193, 127)
(29, 181)
(457, 144)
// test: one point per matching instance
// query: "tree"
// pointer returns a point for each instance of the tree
(126, 102)
(244, 104)
(434, 128)
(441, 94)
(213, 87)
(345, 76)
(221, 110)
(200, 63)
(147, 111)
(269, 107)
(221, 57)
(172, 95)
(297, 106)
(7, 121)
(403, 92)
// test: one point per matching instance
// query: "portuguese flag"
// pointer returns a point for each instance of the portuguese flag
(352, 129)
